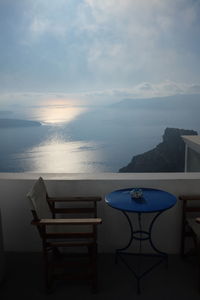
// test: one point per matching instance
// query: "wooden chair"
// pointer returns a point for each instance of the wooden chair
(190, 226)
(59, 234)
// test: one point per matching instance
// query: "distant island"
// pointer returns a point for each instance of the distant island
(168, 156)
(7, 123)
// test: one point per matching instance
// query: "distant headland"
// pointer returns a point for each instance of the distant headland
(7, 123)
(167, 156)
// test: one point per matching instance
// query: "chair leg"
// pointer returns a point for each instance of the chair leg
(198, 261)
(182, 252)
(47, 271)
(93, 260)
(182, 248)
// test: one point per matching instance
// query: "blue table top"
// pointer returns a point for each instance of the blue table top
(153, 200)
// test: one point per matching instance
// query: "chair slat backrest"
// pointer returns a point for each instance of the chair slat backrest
(191, 206)
(191, 210)
(38, 200)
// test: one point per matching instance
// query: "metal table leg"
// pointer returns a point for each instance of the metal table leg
(141, 235)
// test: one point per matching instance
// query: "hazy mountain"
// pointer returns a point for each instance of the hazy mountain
(189, 101)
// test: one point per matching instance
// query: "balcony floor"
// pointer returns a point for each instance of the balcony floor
(24, 280)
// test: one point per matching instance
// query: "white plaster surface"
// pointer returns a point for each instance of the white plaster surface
(113, 233)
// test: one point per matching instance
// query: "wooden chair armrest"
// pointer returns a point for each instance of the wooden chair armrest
(89, 221)
(189, 197)
(71, 199)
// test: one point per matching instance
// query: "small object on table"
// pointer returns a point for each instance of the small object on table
(136, 193)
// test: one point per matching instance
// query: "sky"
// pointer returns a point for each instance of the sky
(99, 48)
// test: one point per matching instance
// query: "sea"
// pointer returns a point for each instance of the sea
(81, 138)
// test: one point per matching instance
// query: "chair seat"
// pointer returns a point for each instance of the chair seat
(67, 229)
(194, 226)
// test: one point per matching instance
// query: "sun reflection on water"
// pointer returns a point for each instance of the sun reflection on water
(59, 156)
(58, 153)
(52, 111)
(60, 114)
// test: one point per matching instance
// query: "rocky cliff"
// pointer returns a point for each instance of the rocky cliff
(168, 156)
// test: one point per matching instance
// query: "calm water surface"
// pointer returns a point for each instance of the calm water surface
(83, 139)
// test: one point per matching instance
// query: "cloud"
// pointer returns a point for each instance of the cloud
(76, 45)
(141, 39)
(40, 27)
(194, 88)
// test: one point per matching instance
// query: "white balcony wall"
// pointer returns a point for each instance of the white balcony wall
(193, 161)
(19, 235)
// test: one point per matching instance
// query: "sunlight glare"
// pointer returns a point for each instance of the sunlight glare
(59, 156)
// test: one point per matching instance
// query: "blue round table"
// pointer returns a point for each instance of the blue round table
(152, 201)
